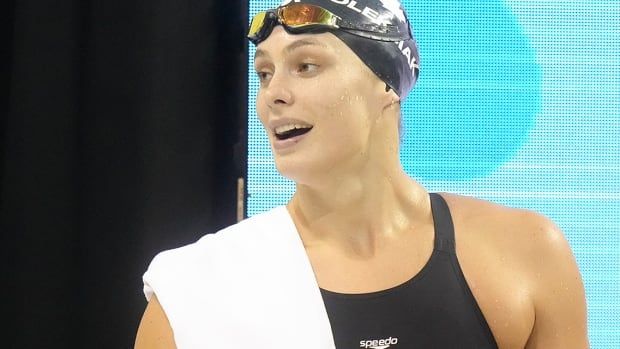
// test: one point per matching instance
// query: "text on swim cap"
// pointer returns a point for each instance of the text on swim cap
(411, 59)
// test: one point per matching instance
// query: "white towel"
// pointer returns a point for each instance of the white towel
(250, 285)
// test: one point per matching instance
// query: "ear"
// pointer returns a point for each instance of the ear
(389, 97)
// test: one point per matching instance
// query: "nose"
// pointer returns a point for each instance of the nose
(278, 91)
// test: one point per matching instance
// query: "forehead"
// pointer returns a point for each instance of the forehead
(280, 42)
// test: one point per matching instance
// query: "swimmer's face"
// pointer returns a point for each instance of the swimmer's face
(316, 84)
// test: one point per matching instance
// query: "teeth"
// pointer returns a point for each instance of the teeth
(286, 128)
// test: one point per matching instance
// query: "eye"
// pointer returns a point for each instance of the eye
(263, 75)
(307, 67)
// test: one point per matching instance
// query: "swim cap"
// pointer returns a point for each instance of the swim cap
(395, 61)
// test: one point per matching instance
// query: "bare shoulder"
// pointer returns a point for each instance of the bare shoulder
(154, 331)
(531, 231)
(536, 254)
(471, 209)
(530, 238)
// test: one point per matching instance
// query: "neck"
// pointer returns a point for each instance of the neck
(360, 209)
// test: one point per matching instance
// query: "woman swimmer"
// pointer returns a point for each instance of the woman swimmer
(362, 256)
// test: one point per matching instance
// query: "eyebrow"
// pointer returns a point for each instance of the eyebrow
(293, 46)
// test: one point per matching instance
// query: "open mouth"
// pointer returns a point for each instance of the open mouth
(290, 131)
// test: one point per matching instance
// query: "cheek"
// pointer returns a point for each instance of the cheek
(349, 88)
(346, 104)
(345, 124)
(261, 108)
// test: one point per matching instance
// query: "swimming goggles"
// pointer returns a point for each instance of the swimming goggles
(302, 18)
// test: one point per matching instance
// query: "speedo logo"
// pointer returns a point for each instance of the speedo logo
(379, 343)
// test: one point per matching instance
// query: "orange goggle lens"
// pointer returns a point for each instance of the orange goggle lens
(294, 16)
(298, 15)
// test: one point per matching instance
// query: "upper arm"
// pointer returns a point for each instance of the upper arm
(557, 290)
(154, 331)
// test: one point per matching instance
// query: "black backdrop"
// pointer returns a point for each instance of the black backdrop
(123, 135)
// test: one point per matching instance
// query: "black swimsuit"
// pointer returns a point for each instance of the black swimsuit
(434, 309)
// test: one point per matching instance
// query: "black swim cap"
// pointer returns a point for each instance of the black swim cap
(394, 62)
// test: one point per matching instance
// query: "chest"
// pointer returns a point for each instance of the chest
(496, 286)
(502, 292)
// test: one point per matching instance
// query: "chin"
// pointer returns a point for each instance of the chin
(294, 170)
(300, 171)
